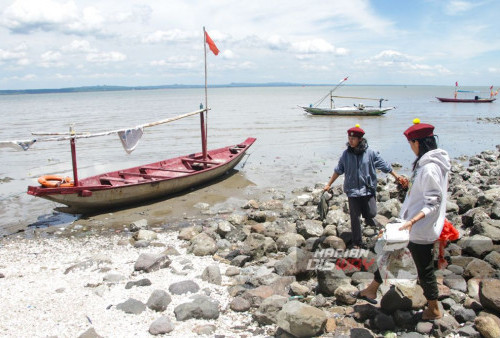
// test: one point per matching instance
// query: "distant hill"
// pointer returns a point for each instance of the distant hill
(173, 86)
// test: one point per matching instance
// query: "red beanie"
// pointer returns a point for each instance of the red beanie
(356, 131)
(419, 130)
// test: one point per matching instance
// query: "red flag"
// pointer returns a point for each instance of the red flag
(456, 84)
(491, 87)
(211, 44)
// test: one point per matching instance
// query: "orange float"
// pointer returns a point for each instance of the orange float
(54, 181)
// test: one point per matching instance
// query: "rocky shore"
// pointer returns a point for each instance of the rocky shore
(256, 271)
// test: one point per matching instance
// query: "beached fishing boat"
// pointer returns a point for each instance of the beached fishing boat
(355, 110)
(475, 99)
(144, 182)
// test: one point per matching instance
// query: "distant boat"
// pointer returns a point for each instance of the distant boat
(355, 110)
(475, 99)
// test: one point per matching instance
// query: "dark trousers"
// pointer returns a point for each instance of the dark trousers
(423, 258)
(366, 206)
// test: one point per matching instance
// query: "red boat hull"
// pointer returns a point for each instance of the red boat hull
(444, 99)
(155, 180)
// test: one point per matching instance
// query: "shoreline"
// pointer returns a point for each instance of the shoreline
(76, 280)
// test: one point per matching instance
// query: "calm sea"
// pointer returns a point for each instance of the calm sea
(293, 149)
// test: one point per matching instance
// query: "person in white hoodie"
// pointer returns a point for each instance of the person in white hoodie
(424, 210)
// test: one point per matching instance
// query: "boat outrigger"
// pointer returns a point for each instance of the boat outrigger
(145, 182)
(356, 110)
(475, 99)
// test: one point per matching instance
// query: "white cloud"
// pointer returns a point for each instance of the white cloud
(79, 46)
(457, 7)
(106, 57)
(170, 35)
(227, 54)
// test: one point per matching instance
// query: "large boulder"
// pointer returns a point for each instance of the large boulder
(301, 320)
(489, 294)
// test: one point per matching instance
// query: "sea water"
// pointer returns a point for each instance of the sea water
(293, 149)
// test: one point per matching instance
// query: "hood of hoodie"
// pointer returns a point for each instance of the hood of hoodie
(437, 156)
(360, 148)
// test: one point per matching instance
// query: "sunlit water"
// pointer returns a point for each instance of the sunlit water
(293, 149)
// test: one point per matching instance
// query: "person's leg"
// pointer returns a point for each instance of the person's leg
(369, 209)
(355, 212)
(371, 290)
(422, 256)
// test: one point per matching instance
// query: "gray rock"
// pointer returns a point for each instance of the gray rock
(268, 309)
(290, 240)
(462, 314)
(330, 280)
(446, 325)
(295, 263)
(138, 225)
(455, 282)
(240, 260)
(158, 301)
(465, 203)
(487, 327)
(212, 275)
(301, 320)
(183, 287)
(401, 297)
(151, 262)
(145, 235)
(476, 245)
(202, 307)
(232, 271)
(113, 278)
(310, 228)
(240, 304)
(162, 325)
(478, 268)
(424, 327)
(132, 306)
(489, 294)
(203, 245)
(468, 331)
(343, 294)
(90, 333)
(204, 330)
(140, 282)
(494, 259)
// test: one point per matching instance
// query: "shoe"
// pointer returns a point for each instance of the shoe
(358, 295)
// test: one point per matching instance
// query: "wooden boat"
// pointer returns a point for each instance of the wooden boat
(359, 110)
(355, 110)
(474, 100)
(151, 181)
(145, 182)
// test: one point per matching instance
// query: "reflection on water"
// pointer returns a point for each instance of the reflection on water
(293, 149)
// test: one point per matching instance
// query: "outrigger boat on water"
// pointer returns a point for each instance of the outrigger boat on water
(356, 110)
(145, 182)
(475, 99)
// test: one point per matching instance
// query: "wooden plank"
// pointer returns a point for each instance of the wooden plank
(166, 169)
(200, 161)
(117, 179)
(146, 176)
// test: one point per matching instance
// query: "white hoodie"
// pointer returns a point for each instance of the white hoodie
(427, 193)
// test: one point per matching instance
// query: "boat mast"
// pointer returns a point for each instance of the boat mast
(205, 111)
(73, 155)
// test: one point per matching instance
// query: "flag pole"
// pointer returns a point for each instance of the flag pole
(202, 115)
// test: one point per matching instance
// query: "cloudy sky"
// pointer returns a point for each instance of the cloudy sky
(68, 43)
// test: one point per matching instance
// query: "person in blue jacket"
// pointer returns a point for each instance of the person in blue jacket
(359, 164)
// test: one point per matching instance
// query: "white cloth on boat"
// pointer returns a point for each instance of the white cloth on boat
(18, 145)
(130, 138)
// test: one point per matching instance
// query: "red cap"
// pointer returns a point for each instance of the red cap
(356, 131)
(419, 130)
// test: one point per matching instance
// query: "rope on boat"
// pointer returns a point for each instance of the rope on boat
(68, 136)
(360, 98)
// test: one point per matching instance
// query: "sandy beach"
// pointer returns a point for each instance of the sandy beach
(40, 298)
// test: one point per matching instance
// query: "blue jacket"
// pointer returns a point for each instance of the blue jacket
(360, 172)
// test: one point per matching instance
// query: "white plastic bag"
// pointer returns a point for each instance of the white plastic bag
(394, 238)
(394, 260)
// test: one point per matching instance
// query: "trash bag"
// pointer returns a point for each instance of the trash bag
(449, 233)
(323, 204)
(394, 260)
